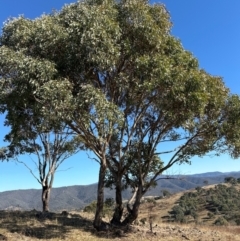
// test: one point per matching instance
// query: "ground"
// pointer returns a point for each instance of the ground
(77, 226)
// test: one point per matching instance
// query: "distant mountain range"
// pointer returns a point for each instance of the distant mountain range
(77, 197)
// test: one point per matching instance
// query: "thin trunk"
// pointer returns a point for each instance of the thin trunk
(133, 211)
(118, 212)
(45, 198)
(100, 198)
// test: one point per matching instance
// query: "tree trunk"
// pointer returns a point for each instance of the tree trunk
(97, 223)
(133, 211)
(45, 198)
(118, 212)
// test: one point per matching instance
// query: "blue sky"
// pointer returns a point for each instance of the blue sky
(208, 28)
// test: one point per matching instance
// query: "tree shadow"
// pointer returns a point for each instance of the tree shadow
(108, 232)
(41, 225)
(54, 225)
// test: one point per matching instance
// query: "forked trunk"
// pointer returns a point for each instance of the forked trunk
(45, 198)
(118, 211)
(133, 211)
(100, 198)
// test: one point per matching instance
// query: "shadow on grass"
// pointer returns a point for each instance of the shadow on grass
(42, 226)
(108, 232)
(53, 225)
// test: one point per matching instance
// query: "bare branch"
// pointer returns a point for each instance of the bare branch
(31, 171)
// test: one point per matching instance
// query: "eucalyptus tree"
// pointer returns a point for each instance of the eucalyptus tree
(165, 97)
(47, 143)
(230, 129)
(4, 153)
(32, 122)
(47, 150)
(44, 65)
(112, 71)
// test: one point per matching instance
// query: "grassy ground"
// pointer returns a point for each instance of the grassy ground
(33, 226)
(26, 226)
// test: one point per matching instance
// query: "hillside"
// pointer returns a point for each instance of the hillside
(73, 226)
(157, 220)
(217, 205)
(77, 197)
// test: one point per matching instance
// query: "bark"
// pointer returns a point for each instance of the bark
(45, 198)
(118, 212)
(97, 223)
(133, 211)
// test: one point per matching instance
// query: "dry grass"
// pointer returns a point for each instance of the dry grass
(30, 226)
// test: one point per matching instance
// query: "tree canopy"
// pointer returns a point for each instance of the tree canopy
(112, 71)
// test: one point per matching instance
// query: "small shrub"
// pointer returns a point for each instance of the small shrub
(178, 214)
(158, 198)
(237, 221)
(151, 200)
(91, 208)
(109, 202)
(210, 215)
(221, 221)
(198, 189)
(143, 220)
(107, 208)
(166, 193)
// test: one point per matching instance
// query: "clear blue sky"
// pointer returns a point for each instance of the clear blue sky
(210, 29)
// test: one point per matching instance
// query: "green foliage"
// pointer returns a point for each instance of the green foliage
(4, 154)
(231, 180)
(205, 182)
(91, 208)
(107, 208)
(230, 126)
(113, 73)
(187, 206)
(109, 202)
(221, 221)
(221, 200)
(166, 193)
(178, 214)
(198, 189)
(150, 200)
(210, 215)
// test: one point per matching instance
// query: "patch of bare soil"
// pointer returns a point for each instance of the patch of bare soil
(186, 232)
